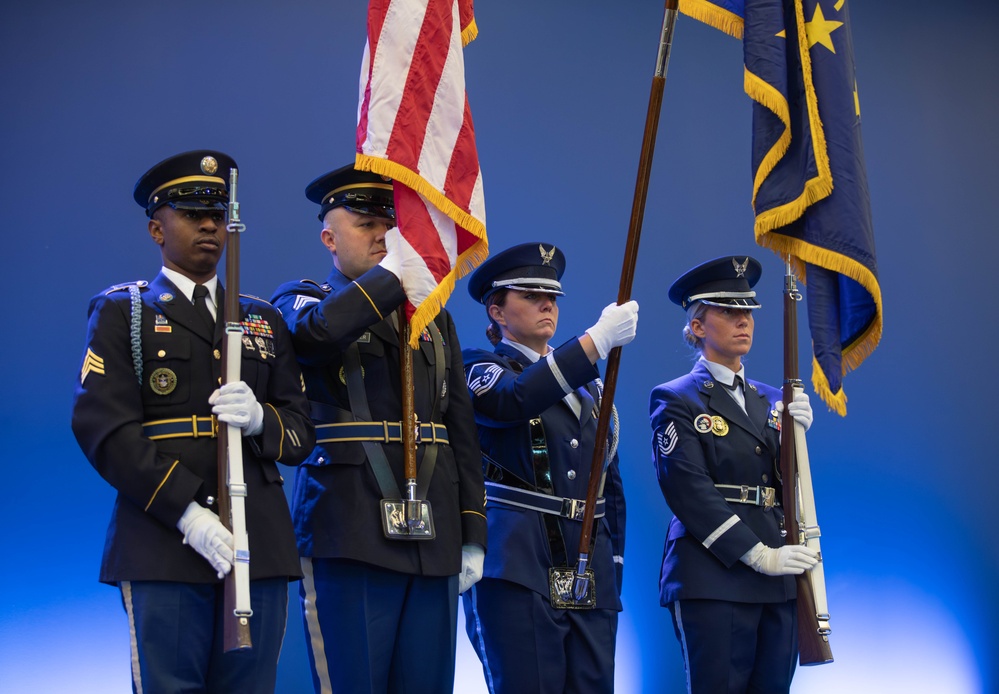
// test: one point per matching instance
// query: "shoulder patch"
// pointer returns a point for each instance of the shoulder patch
(141, 284)
(303, 300)
(482, 377)
(666, 439)
(92, 364)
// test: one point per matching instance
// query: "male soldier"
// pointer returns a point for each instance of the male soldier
(379, 597)
(145, 415)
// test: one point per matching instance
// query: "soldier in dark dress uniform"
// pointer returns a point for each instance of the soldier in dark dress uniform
(536, 408)
(380, 606)
(727, 576)
(145, 414)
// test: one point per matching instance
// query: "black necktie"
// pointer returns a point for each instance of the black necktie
(736, 383)
(201, 306)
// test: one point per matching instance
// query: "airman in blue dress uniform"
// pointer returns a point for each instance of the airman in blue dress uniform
(727, 576)
(145, 414)
(536, 410)
(380, 608)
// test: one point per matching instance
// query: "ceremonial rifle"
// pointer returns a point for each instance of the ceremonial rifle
(232, 488)
(582, 581)
(798, 498)
(410, 424)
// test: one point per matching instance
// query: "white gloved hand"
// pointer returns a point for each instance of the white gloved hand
(236, 405)
(472, 558)
(206, 535)
(800, 409)
(616, 327)
(393, 253)
(780, 561)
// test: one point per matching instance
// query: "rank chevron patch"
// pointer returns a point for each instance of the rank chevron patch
(91, 364)
(666, 440)
(302, 300)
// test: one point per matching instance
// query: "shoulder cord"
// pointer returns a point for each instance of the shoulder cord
(136, 330)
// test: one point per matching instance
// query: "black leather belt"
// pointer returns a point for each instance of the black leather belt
(744, 494)
(192, 427)
(384, 432)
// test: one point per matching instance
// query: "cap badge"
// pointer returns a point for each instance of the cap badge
(209, 165)
(740, 269)
(546, 256)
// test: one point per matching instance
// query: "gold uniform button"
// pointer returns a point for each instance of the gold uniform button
(161, 353)
(218, 354)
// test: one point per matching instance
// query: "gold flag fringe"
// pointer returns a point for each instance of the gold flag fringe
(469, 33)
(712, 15)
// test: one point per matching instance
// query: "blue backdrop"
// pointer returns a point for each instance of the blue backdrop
(94, 93)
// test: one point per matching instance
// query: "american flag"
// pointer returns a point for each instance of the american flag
(414, 126)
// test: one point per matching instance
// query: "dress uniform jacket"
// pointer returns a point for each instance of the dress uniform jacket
(157, 479)
(505, 400)
(336, 505)
(692, 454)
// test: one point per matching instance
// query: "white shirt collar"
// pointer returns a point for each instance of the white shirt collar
(723, 374)
(186, 285)
(523, 349)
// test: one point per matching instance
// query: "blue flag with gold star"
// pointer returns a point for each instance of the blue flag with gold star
(810, 192)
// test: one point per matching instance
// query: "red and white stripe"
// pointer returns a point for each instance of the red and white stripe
(414, 126)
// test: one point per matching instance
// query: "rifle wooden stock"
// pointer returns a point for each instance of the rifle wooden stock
(232, 489)
(624, 291)
(798, 500)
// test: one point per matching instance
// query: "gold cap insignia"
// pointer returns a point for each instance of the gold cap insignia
(209, 165)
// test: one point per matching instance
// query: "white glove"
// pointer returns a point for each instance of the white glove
(616, 327)
(800, 408)
(236, 405)
(206, 535)
(393, 253)
(472, 558)
(781, 561)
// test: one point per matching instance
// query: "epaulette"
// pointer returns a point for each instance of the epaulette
(141, 284)
(324, 287)
(256, 298)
